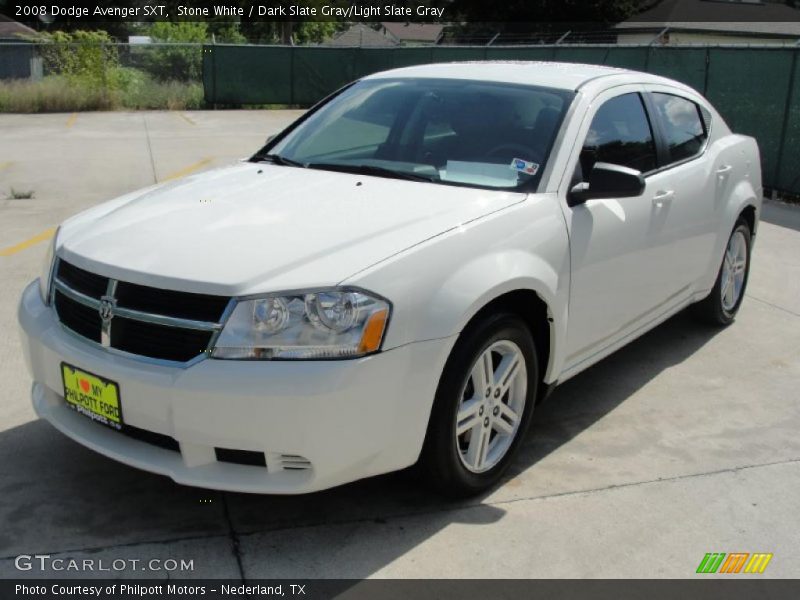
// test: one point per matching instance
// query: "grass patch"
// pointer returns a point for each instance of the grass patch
(169, 95)
(51, 94)
(133, 90)
(15, 194)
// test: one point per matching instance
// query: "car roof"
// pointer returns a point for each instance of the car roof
(559, 75)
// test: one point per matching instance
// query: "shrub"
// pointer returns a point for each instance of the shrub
(134, 90)
(180, 61)
(55, 93)
(83, 57)
(148, 94)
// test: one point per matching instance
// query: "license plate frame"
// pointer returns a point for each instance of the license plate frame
(88, 394)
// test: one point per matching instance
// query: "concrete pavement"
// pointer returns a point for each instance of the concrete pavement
(684, 442)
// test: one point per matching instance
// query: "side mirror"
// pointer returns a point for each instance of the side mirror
(271, 137)
(608, 181)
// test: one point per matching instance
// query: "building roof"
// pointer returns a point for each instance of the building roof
(413, 32)
(362, 35)
(9, 28)
(742, 17)
(566, 76)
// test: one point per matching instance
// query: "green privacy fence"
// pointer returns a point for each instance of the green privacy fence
(757, 89)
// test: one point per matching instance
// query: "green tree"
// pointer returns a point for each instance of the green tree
(181, 56)
(305, 30)
(87, 57)
(314, 32)
(226, 31)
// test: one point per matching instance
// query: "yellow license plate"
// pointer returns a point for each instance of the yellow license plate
(93, 396)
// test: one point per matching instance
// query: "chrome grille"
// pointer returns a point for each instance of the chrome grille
(136, 319)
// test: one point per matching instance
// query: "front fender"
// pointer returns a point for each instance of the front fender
(438, 286)
(510, 271)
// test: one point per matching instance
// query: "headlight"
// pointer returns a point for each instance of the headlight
(335, 323)
(46, 273)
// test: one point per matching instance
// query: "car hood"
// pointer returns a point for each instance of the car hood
(253, 227)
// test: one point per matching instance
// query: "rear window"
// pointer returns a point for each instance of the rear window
(684, 128)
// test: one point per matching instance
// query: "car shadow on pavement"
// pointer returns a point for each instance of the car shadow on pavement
(573, 407)
(57, 496)
(582, 401)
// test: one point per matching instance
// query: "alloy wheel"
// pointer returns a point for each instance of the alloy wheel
(734, 268)
(491, 406)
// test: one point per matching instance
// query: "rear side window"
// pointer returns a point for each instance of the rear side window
(620, 134)
(684, 128)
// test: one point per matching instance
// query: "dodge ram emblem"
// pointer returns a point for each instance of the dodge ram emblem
(107, 304)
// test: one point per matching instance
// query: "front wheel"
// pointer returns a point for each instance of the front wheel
(483, 406)
(722, 304)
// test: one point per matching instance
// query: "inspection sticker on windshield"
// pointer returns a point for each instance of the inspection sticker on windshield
(527, 167)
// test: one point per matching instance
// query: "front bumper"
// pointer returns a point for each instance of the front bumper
(348, 419)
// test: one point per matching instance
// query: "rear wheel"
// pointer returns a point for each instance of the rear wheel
(483, 406)
(722, 304)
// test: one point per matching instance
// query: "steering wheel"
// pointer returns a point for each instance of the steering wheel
(514, 151)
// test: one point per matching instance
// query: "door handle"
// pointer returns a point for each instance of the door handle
(663, 197)
(724, 170)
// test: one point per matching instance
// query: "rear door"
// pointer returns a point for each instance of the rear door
(687, 214)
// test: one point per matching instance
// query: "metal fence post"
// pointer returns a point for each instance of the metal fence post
(291, 75)
(103, 67)
(213, 51)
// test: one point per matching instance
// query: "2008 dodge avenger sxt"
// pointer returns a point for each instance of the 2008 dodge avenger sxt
(396, 278)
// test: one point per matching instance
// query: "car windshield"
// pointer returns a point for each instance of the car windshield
(472, 133)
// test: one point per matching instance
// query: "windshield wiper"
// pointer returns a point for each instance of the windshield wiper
(279, 160)
(371, 170)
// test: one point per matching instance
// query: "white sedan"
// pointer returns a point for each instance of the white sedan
(395, 279)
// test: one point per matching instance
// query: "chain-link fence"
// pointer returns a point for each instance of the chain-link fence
(84, 76)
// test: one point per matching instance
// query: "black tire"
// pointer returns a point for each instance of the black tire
(440, 462)
(711, 309)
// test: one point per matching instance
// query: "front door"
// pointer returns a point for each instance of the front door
(619, 251)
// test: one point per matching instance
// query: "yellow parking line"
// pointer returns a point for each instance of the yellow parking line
(186, 118)
(45, 235)
(71, 121)
(187, 170)
(5, 165)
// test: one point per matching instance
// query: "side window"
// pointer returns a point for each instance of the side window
(620, 134)
(683, 125)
